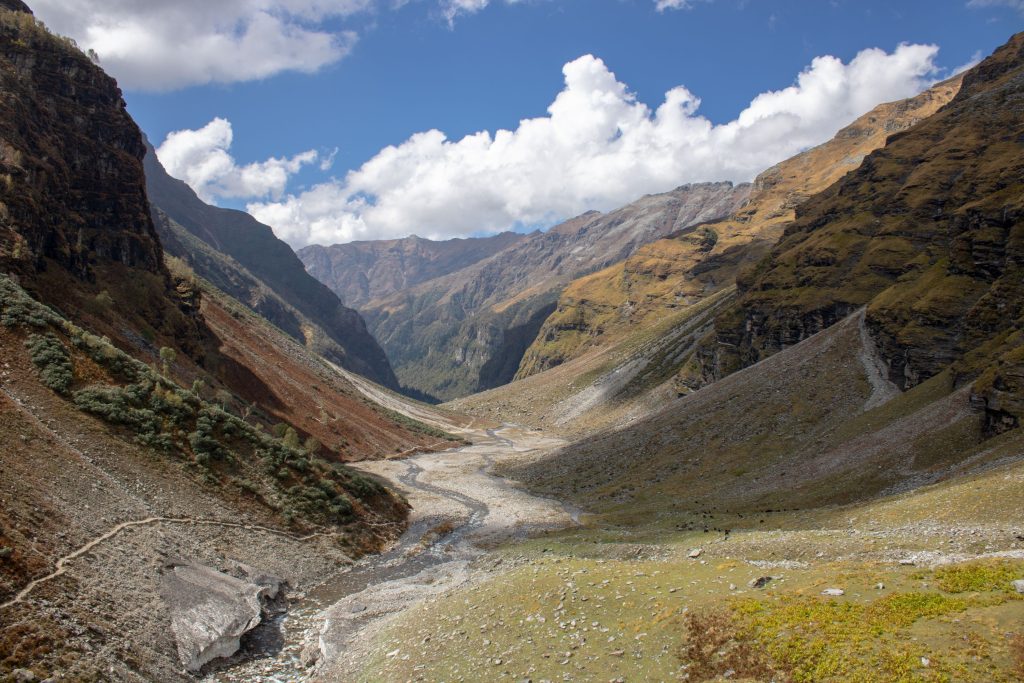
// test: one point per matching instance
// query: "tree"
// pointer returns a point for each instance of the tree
(311, 446)
(291, 438)
(167, 358)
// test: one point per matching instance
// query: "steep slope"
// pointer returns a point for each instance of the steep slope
(928, 234)
(675, 272)
(359, 272)
(74, 222)
(467, 331)
(254, 246)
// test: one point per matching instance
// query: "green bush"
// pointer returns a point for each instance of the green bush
(52, 361)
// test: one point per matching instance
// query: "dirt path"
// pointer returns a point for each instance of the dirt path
(62, 563)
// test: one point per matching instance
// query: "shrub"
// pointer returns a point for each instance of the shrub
(714, 647)
(52, 361)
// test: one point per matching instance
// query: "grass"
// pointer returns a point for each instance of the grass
(980, 577)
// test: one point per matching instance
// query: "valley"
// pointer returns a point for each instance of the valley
(734, 431)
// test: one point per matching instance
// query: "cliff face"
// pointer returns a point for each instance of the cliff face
(672, 273)
(468, 330)
(274, 265)
(928, 234)
(360, 272)
(74, 220)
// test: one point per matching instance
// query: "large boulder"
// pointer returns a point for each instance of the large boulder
(210, 610)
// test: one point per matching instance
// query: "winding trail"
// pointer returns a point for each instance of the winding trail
(62, 563)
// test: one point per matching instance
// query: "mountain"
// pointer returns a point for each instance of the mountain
(253, 245)
(673, 273)
(150, 425)
(74, 226)
(360, 272)
(467, 331)
(877, 346)
(927, 235)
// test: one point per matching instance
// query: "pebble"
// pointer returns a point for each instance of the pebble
(834, 592)
(695, 553)
(760, 582)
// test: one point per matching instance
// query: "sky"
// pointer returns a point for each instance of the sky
(337, 120)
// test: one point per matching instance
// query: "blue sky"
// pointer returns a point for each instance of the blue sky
(398, 70)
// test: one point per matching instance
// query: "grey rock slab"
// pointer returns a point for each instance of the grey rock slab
(210, 611)
(1018, 585)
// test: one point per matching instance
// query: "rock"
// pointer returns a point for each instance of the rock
(879, 586)
(271, 585)
(23, 676)
(210, 611)
(1018, 585)
(834, 592)
(760, 582)
(907, 563)
(695, 553)
(310, 654)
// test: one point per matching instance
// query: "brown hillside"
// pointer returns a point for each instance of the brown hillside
(676, 272)
(928, 233)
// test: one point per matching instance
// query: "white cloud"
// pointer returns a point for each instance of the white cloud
(152, 45)
(598, 148)
(201, 158)
(662, 5)
(1014, 4)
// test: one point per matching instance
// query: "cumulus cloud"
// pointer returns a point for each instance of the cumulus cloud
(597, 148)
(202, 159)
(166, 45)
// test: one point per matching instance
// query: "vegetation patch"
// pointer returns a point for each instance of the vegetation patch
(979, 577)
(222, 448)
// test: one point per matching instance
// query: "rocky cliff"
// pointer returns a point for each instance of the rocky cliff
(673, 273)
(361, 272)
(927, 234)
(468, 330)
(74, 222)
(274, 265)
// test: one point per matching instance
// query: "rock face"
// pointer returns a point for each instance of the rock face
(680, 270)
(928, 234)
(74, 220)
(210, 611)
(274, 266)
(361, 272)
(467, 331)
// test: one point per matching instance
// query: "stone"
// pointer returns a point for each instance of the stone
(1018, 585)
(23, 676)
(834, 592)
(695, 553)
(210, 611)
(760, 582)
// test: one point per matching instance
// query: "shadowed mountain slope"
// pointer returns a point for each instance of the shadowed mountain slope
(254, 246)
(675, 272)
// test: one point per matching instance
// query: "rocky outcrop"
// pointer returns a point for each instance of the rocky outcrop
(928, 234)
(361, 272)
(678, 271)
(467, 331)
(274, 266)
(210, 611)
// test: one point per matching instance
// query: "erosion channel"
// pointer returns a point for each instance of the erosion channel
(460, 510)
